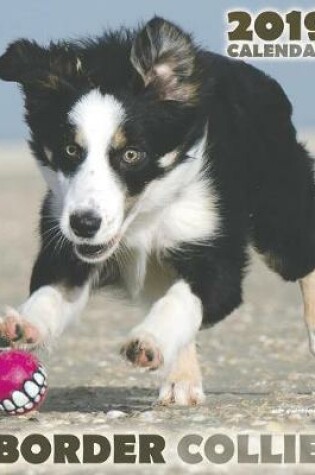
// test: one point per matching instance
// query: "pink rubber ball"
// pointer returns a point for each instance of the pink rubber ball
(23, 382)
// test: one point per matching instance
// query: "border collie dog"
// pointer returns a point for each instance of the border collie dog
(164, 163)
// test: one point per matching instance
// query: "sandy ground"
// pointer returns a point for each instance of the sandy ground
(259, 375)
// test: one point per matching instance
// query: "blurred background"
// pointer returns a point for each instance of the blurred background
(44, 21)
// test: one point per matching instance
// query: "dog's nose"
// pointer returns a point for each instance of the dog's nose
(85, 224)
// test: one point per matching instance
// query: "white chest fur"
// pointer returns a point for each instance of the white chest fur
(179, 208)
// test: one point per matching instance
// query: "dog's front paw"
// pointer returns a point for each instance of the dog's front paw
(181, 393)
(143, 352)
(16, 331)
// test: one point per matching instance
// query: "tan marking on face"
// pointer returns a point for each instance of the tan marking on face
(119, 139)
(79, 139)
(169, 159)
(48, 154)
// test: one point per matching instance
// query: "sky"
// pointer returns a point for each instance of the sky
(44, 20)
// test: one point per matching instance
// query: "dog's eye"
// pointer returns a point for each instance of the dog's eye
(73, 151)
(132, 156)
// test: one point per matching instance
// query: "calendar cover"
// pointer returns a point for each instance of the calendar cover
(157, 237)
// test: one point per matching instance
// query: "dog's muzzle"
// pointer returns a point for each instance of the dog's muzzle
(94, 253)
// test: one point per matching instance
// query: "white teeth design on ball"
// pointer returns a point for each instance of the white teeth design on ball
(31, 394)
(43, 371)
(20, 399)
(8, 405)
(31, 389)
(39, 378)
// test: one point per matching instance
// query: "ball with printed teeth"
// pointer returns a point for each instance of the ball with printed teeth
(23, 382)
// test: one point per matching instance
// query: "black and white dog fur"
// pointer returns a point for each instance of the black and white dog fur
(161, 159)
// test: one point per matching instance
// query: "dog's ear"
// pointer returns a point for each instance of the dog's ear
(36, 67)
(165, 57)
(21, 60)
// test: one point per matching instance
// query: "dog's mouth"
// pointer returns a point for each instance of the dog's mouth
(95, 253)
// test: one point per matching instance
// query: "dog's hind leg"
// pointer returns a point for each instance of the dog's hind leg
(308, 291)
(165, 340)
(183, 384)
